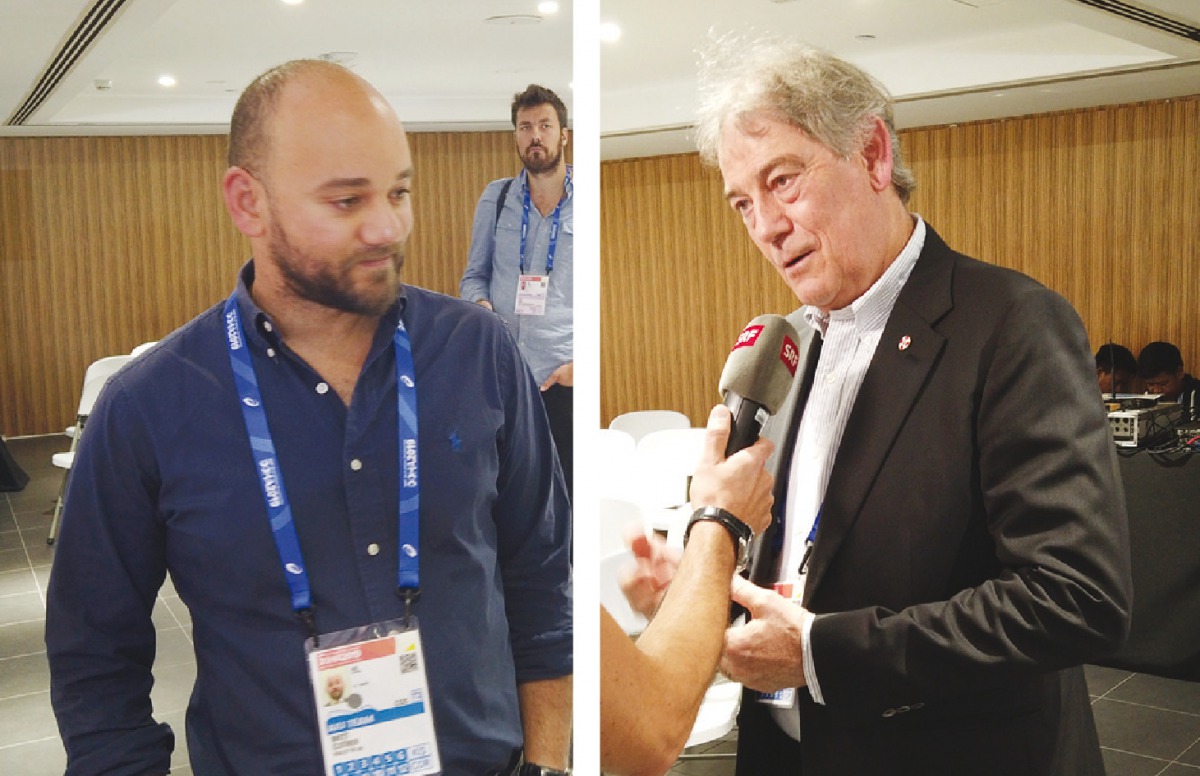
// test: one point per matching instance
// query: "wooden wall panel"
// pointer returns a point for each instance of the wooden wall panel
(1101, 205)
(109, 242)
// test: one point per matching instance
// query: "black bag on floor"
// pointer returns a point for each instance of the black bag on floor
(12, 476)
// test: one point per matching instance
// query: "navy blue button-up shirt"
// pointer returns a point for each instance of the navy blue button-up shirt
(164, 479)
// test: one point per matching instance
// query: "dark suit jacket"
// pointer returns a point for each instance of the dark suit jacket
(973, 548)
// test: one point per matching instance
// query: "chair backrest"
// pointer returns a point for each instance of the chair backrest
(614, 462)
(94, 379)
(140, 349)
(611, 597)
(664, 461)
(642, 422)
(615, 515)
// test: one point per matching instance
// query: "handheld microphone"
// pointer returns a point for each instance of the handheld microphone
(757, 377)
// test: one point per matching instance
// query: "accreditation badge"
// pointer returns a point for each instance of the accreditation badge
(372, 699)
(531, 294)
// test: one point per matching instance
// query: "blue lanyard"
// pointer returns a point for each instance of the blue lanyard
(808, 543)
(271, 477)
(556, 215)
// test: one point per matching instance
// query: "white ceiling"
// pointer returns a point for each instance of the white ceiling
(440, 62)
(945, 61)
(445, 67)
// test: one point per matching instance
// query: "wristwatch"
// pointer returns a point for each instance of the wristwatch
(529, 769)
(738, 531)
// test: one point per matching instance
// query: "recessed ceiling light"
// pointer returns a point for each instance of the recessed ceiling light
(292, 2)
(547, 6)
(340, 57)
(166, 80)
(513, 18)
(609, 32)
(865, 36)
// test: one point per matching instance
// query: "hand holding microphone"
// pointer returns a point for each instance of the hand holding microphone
(755, 382)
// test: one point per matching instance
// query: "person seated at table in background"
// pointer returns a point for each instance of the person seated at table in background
(1161, 367)
(651, 690)
(1116, 369)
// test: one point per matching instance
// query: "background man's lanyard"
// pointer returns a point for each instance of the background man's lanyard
(271, 476)
(556, 215)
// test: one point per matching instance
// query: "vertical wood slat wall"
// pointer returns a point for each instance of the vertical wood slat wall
(1102, 205)
(107, 242)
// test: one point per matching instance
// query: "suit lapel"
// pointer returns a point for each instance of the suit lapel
(907, 352)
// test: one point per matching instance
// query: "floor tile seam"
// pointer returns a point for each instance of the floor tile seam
(1115, 686)
(26, 743)
(1193, 714)
(26, 654)
(1186, 749)
(1165, 761)
(18, 696)
(22, 622)
(4, 596)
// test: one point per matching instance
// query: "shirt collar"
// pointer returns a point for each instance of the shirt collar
(568, 182)
(870, 311)
(264, 328)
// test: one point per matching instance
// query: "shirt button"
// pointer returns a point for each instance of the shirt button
(356, 464)
(271, 352)
(372, 549)
(322, 388)
(267, 326)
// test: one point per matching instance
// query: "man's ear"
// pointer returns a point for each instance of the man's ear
(245, 200)
(877, 154)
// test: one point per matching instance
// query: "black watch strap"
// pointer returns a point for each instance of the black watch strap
(530, 769)
(738, 531)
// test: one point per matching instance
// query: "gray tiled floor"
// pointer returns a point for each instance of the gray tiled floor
(1148, 726)
(29, 743)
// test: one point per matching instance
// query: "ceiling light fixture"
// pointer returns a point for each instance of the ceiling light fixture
(292, 2)
(513, 18)
(609, 32)
(345, 58)
(547, 6)
(166, 80)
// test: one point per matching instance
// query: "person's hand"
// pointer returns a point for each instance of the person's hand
(739, 484)
(564, 375)
(765, 654)
(646, 583)
(484, 304)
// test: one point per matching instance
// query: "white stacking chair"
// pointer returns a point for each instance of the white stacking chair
(642, 422)
(616, 516)
(611, 597)
(664, 463)
(140, 349)
(614, 456)
(718, 714)
(93, 380)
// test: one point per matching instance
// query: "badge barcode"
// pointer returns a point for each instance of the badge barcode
(408, 663)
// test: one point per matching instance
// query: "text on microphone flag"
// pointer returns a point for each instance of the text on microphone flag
(748, 336)
(789, 354)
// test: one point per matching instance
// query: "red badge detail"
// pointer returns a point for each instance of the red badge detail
(748, 337)
(789, 355)
(905, 341)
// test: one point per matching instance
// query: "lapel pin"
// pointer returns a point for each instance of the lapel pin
(905, 341)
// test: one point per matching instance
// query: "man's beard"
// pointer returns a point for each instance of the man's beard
(546, 163)
(331, 287)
